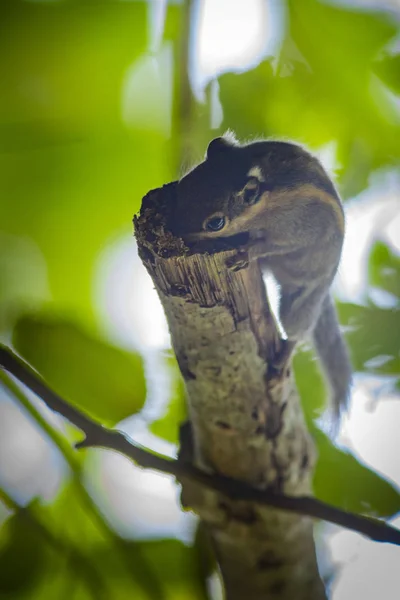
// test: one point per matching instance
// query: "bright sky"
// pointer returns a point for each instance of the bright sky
(234, 34)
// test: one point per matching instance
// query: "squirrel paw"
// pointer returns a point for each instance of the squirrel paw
(238, 261)
(279, 361)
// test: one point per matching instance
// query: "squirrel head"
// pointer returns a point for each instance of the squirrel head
(232, 188)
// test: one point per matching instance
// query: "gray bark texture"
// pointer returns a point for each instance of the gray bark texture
(246, 420)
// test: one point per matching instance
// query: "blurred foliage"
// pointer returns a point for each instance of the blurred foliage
(103, 380)
(167, 426)
(321, 89)
(72, 173)
(384, 270)
(22, 551)
(59, 550)
(93, 114)
(342, 480)
(372, 334)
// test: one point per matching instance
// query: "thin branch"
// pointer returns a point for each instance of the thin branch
(26, 375)
(99, 436)
(29, 377)
(59, 441)
(66, 450)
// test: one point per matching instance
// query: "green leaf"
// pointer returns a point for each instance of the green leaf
(372, 336)
(103, 380)
(245, 98)
(335, 468)
(69, 518)
(22, 554)
(384, 269)
(167, 427)
(388, 69)
(206, 555)
(314, 26)
(342, 480)
(310, 384)
(58, 550)
(374, 349)
(339, 79)
(148, 570)
(177, 566)
(324, 87)
(117, 566)
(80, 52)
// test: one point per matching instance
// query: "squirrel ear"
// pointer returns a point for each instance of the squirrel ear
(219, 145)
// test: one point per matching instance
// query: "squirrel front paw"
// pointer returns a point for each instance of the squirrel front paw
(280, 360)
(239, 260)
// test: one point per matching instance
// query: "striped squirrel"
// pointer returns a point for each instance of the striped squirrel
(280, 195)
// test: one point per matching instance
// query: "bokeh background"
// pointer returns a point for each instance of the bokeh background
(101, 101)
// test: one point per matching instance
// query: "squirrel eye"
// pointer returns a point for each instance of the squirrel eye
(251, 193)
(215, 224)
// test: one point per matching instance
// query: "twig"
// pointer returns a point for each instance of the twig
(98, 436)
(32, 379)
(64, 447)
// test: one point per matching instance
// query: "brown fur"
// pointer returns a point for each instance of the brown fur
(296, 231)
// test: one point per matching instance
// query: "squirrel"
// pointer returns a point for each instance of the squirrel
(282, 198)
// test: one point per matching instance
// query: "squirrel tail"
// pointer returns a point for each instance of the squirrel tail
(334, 356)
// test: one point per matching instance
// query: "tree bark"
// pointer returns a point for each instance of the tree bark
(246, 419)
